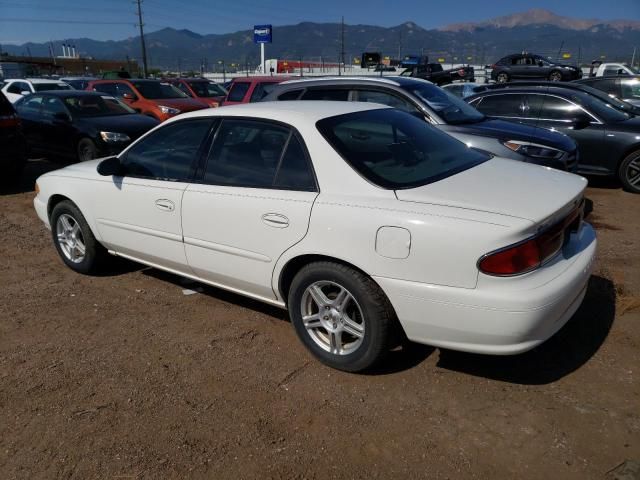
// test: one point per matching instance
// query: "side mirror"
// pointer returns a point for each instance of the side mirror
(129, 96)
(62, 117)
(110, 167)
(24, 93)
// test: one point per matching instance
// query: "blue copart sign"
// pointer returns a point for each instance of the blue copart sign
(262, 34)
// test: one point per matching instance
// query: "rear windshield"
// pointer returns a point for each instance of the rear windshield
(238, 91)
(451, 109)
(158, 90)
(396, 150)
(207, 89)
(42, 87)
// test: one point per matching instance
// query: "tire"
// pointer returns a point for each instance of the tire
(86, 150)
(629, 172)
(502, 77)
(555, 76)
(70, 233)
(351, 310)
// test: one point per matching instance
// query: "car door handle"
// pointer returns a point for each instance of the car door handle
(275, 220)
(165, 205)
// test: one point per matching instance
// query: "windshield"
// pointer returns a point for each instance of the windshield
(450, 108)
(395, 150)
(601, 107)
(207, 89)
(96, 106)
(41, 87)
(157, 90)
(635, 70)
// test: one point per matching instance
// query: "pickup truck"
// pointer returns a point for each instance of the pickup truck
(436, 74)
(600, 69)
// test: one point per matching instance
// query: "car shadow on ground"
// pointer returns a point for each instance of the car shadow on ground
(26, 182)
(562, 354)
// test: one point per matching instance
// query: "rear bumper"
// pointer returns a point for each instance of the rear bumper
(501, 316)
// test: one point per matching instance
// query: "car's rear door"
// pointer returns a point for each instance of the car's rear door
(252, 201)
(139, 213)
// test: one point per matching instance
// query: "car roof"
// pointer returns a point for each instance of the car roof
(395, 80)
(35, 80)
(262, 78)
(288, 112)
(72, 93)
(542, 87)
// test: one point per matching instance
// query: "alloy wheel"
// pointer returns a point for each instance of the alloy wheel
(332, 317)
(70, 239)
(633, 172)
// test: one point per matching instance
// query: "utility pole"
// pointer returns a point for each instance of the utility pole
(144, 48)
(341, 61)
(400, 44)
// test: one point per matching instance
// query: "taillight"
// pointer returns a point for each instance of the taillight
(526, 256)
(9, 121)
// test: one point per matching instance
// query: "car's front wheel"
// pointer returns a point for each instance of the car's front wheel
(341, 315)
(629, 172)
(86, 150)
(555, 76)
(502, 77)
(74, 240)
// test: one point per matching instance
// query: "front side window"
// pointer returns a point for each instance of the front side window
(547, 107)
(507, 105)
(385, 98)
(185, 89)
(238, 91)
(256, 154)
(396, 150)
(30, 105)
(169, 153)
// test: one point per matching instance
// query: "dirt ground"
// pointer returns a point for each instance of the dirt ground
(123, 376)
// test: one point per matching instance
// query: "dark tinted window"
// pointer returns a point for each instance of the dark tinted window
(294, 172)
(238, 91)
(156, 90)
(290, 95)
(18, 87)
(207, 89)
(607, 85)
(246, 153)
(394, 149)
(30, 105)
(450, 108)
(340, 95)
(261, 90)
(96, 106)
(385, 98)
(78, 84)
(553, 108)
(184, 88)
(52, 105)
(168, 153)
(110, 88)
(507, 105)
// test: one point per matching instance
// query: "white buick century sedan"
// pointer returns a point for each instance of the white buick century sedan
(363, 221)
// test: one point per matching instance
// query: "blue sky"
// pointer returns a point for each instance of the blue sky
(42, 20)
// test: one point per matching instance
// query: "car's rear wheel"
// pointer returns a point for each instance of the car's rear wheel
(555, 76)
(629, 172)
(502, 77)
(86, 150)
(74, 240)
(341, 315)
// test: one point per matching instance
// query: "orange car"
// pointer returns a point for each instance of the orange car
(154, 98)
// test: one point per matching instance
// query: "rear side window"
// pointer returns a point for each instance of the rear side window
(290, 95)
(261, 90)
(385, 98)
(395, 150)
(238, 91)
(509, 105)
(169, 153)
(256, 154)
(340, 95)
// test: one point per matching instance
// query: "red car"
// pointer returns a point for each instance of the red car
(150, 97)
(251, 89)
(208, 92)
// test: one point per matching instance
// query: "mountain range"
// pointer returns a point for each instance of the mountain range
(536, 30)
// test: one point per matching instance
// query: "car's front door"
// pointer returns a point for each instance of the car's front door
(557, 113)
(250, 204)
(58, 132)
(139, 213)
(30, 113)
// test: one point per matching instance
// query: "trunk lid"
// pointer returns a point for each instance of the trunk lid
(505, 187)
